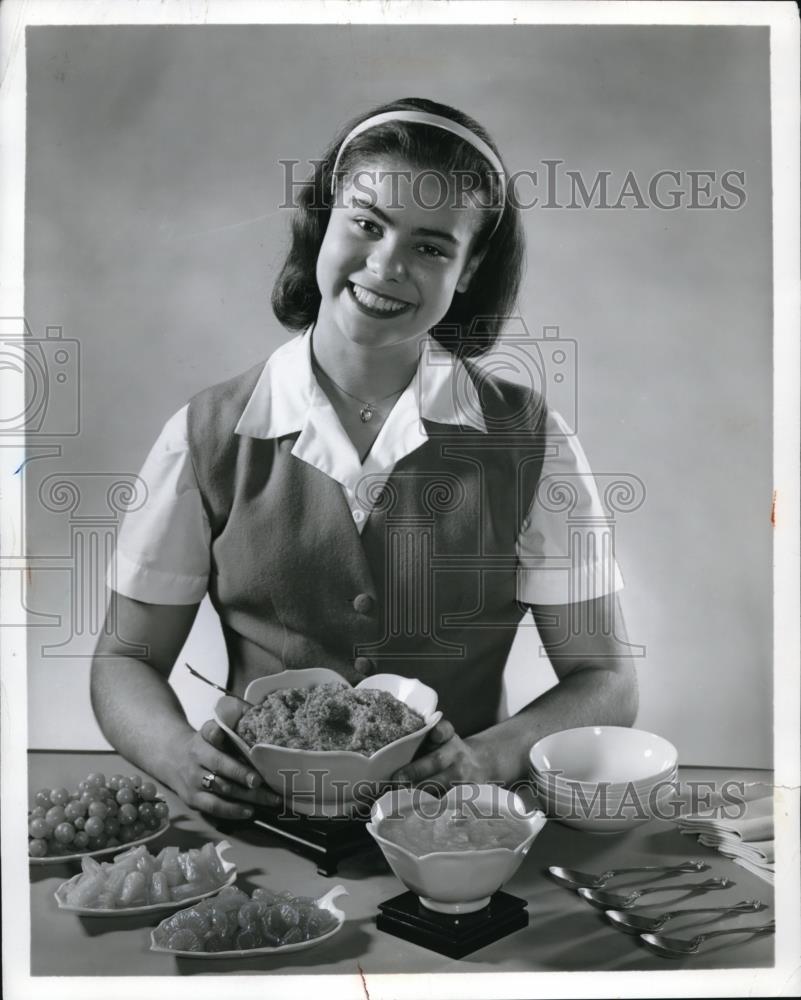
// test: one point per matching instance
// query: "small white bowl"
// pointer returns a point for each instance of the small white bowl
(456, 881)
(329, 782)
(592, 754)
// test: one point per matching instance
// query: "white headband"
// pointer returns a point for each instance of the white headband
(437, 121)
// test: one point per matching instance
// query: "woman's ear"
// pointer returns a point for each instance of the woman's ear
(470, 269)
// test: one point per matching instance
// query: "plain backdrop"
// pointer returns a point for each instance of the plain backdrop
(154, 234)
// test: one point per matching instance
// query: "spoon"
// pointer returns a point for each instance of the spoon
(219, 688)
(575, 879)
(636, 923)
(621, 901)
(683, 946)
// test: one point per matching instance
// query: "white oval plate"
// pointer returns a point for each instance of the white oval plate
(176, 904)
(60, 859)
(325, 902)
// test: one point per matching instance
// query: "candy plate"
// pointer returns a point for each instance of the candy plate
(176, 904)
(325, 902)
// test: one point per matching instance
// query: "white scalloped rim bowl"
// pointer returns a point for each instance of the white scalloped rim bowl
(458, 881)
(614, 754)
(329, 782)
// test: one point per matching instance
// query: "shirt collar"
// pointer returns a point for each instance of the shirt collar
(287, 392)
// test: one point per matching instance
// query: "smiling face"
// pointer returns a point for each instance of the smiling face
(394, 254)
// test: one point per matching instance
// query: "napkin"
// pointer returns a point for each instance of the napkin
(739, 825)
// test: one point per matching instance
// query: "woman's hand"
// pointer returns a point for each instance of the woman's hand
(235, 788)
(446, 759)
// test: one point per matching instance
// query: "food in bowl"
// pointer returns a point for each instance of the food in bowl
(459, 878)
(329, 782)
(329, 717)
(138, 878)
(234, 921)
(455, 829)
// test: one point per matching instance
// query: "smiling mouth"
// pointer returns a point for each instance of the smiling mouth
(376, 305)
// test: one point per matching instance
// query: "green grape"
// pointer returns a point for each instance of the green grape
(38, 828)
(37, 848)
(95, 779)
(126, 795)
(94, 826)
(55, 815)
(128, 813)
(74, 809)
(147, 791)
(42, 798)
(64, 833)
(81, 841)
(98, 809)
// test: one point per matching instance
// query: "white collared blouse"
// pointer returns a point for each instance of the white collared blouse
(163, 549)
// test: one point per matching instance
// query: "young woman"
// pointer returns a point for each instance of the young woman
(366, 500)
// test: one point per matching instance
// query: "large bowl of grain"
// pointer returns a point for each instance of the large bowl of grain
(330, 781)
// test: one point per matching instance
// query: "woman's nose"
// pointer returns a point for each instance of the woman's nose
(386, 262)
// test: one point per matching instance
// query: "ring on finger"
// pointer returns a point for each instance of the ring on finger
(207, 781)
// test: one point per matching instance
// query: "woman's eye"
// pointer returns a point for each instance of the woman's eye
(429, 250)
(367, 225)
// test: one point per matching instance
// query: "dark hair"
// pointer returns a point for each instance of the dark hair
(475, 317)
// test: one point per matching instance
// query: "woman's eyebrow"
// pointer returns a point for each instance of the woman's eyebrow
(422, 231)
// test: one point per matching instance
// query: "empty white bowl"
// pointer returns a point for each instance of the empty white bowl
(459, 880)
(614, 754)
(606, 779)
(329, 782)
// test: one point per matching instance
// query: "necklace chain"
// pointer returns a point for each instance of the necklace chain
(368, 408)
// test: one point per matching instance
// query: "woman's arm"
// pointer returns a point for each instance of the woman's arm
(142, 718)
(597, 686)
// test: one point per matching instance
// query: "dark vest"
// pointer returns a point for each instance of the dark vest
(427, 590)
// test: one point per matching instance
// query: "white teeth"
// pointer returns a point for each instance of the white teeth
(376, 301)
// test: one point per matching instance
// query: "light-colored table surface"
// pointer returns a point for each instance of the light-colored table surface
(564, 932)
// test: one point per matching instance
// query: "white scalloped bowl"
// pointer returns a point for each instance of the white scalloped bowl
(455, 881)
(329, 782)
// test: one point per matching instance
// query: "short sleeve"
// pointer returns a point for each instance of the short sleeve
(565, 552)
(163, 547)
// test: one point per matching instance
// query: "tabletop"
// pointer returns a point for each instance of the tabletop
(564, 932)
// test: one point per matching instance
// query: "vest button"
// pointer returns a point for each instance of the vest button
(363, 604)
(364, 666)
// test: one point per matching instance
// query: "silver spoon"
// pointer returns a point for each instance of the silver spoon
(230, 694)
(620, 901)
(576, 879)
(637, 923)
(683, 946)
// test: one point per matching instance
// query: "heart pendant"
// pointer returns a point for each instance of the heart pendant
(366, 414)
